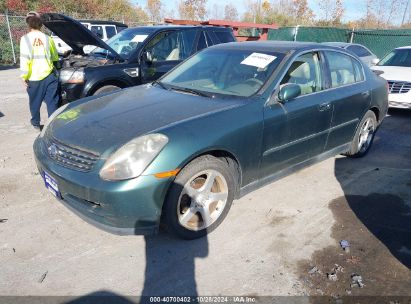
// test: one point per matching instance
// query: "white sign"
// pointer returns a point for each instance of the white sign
(139, 38)
(258, 60)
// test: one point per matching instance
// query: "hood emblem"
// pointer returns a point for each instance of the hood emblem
(53, 150)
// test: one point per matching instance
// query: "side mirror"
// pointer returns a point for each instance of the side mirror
(288, 92)
(374, 61)
(148, 57)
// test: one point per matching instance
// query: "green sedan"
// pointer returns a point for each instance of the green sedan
(226, 121)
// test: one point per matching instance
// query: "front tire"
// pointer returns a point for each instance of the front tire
(364, 136)
(106, 89)
(199, 198)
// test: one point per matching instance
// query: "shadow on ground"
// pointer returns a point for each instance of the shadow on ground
(8, 67)
(170, 265)
(374, 216)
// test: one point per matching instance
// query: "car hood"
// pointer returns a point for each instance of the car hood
(73, 32)
(107, 122)
(394, 72)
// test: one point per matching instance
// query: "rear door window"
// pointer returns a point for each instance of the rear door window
(204, 41)
(110, 31)
(224, 36)
(359, 51)
(342, 69)
(169, 46)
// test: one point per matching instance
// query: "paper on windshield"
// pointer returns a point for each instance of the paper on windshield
(139, 38)
(259, 60)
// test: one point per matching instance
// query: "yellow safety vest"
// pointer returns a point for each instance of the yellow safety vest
(37, 53)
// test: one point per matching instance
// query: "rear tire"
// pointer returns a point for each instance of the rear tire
(199, 198)
(106, 89)
(364, 136)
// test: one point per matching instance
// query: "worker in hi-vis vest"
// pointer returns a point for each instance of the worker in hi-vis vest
(38, 55)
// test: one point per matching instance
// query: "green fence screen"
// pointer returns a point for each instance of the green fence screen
(380, 42)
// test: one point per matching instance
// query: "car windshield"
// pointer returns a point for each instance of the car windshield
(224, 72)
(398, 57)
(125, 42)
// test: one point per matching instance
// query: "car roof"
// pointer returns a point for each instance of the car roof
(342, 44)
(404, 47)
(269, 46)
(165, 26)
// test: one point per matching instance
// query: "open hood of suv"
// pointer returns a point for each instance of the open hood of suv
(73, 33)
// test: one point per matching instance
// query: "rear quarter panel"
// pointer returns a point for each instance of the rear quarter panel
(379, 94)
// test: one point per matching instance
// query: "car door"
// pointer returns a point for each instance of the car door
(166, 50)
(349, 94)
(297, 130)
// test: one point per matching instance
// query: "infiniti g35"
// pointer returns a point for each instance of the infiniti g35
(226, 121)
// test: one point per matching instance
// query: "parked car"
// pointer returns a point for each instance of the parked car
(226, 121)
(102, 29)
(133, 56)
(368, 57)
(396, 69)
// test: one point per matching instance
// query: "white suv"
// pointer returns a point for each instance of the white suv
(396, 69)
(102, 29)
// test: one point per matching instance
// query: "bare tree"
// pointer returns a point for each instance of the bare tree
(382, 13)
(154, 10)
(216, 12)
(192, 9)
(230, 12)
(331, 11)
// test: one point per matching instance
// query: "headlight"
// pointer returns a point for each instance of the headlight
(72, 76)
(133, 158)
(55, 113)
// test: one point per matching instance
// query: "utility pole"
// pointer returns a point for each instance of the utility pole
(405, 12)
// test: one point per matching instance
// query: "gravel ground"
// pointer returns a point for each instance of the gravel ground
(267, 245)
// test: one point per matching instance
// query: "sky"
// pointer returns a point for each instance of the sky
(354, 9)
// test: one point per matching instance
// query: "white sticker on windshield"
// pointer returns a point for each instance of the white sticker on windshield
(139, 38)
(258, 60)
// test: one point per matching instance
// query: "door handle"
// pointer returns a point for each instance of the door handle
(365, 94)
(324, 106)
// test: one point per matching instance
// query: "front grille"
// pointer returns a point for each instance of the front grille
(70, 157)
(399, 87)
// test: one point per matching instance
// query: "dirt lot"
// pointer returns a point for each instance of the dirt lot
(280, 240)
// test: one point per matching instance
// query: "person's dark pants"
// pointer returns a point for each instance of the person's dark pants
(47, 90)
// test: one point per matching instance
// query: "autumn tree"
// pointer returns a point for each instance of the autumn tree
(192, 9)
(302, 13)
(16, 6)
(331, 12)
(252, 11)
(154, 10)
(230, 12)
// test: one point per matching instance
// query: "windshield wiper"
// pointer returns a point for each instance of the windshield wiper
(192, 91)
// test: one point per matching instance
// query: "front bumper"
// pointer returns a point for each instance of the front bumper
(121, 207)
(401, 101)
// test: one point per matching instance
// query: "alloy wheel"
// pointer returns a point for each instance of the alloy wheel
(366, 135)
(202, 200)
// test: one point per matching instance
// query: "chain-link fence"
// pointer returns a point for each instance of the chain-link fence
(12, 28)
(380, 42)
